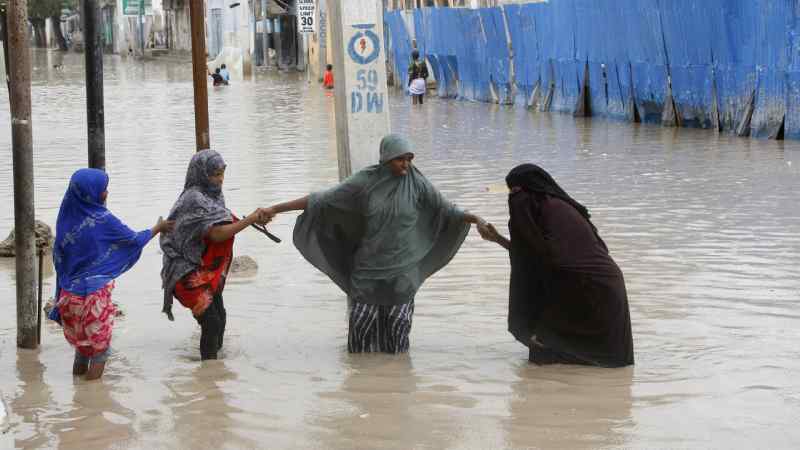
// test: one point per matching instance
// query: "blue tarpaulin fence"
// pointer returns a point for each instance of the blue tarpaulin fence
(732, 65)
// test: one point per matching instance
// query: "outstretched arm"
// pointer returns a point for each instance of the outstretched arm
(473, 219)
(220, 233)
(298, 204)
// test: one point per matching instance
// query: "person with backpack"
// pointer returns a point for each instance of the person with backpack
(417, 78)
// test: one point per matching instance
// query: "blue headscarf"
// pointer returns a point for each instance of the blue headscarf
(92, 246)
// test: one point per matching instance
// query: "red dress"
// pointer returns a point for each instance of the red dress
(196, 290)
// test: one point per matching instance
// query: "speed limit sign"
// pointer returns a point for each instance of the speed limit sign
(305, 16)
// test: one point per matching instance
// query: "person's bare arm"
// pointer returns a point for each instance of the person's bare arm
(473, 219)
(220, 233)
(298, 204)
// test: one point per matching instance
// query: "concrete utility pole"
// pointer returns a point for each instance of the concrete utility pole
(322, 38)
(200, 74)
(359, 67)
(94, 84)
(22, 149)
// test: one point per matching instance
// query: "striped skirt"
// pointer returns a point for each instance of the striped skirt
(375, 328)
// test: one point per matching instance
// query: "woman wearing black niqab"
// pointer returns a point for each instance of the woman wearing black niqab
(567, 299)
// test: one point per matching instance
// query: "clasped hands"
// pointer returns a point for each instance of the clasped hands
(488, 232)
(260, 216)
(263, 216)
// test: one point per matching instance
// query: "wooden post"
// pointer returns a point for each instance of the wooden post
(359, 61)
(199, 74)
(22, 150)
(94, 84)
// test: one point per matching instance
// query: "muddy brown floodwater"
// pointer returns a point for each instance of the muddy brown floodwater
(706, 228)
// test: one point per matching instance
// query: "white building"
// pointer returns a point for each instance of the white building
(231, 34)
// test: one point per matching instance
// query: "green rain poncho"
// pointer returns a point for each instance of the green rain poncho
(379, 236)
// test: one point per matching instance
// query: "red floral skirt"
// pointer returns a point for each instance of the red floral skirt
(196, 290)
(88, 321)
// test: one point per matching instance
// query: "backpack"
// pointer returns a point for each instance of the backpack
(417, 70)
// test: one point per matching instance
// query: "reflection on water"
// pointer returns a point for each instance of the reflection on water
(95, 421)
(705, 227)
(202, 416)
(570, 407)
(31, 401)
(386, 406)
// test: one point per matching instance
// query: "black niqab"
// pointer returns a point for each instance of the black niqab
(565, 288)
(533, 178)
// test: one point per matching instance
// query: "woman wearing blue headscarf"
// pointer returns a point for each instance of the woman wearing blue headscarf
(379, 235)
(92, 248)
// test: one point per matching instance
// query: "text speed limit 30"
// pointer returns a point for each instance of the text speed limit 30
(305, 16)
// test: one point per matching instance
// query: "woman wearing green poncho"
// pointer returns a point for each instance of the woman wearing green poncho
(378, 235)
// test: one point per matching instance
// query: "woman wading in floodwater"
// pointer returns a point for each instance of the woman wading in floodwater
(198, 254)
(378, 235)
(91, 250)
(567, 300)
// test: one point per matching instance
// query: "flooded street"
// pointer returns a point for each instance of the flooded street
(705, 227)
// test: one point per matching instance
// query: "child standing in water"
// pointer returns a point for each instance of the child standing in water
(327, 79)
(198, 254)
(217, 78)
(92, 248)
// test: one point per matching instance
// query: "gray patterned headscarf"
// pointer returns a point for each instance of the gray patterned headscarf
(200, 206)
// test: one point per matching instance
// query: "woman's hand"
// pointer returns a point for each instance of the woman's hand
(489, 233)
(267, 214)
(163, 226)
(259, 216)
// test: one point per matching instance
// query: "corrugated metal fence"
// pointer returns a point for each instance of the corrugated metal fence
(727, 64)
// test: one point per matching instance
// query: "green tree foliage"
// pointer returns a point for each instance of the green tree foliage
(41, 9)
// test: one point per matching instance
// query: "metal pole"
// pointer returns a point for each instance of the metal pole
(265, 34)
(94, 84)
(200, 74)
(277, 40)
(22, 149)
(141, 25)
(253, 21)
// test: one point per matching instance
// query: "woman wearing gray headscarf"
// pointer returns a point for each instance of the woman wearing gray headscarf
(198, 253)
(378, 235)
